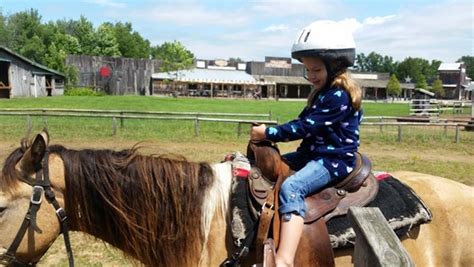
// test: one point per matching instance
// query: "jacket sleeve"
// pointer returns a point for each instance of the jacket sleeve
(329, 110)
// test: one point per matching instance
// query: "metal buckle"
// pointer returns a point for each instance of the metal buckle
(266, 205)
(61, 213)
(37, 196)
(7, 259)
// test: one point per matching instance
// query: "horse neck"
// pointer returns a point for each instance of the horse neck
(149, 207)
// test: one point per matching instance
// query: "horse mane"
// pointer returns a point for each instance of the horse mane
(9, 177)
(148, 206)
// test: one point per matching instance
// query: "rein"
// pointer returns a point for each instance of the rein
(41, 184)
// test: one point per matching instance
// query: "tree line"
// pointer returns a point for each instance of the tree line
(419, 71)
(50, 43)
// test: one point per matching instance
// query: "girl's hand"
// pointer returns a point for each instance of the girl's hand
(257, 133)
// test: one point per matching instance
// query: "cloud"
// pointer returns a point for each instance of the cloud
(276, 28)
(378, 20)
(430, 32)
(107, 3)
(189, 14)
(279, 8)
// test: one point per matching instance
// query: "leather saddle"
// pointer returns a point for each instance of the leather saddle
(357, 189)
(268, 172)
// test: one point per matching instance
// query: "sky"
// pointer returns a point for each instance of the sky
(250, 30)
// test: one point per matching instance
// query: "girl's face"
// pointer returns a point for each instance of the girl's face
(316, 72)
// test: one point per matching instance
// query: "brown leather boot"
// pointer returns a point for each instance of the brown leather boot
(269, 253)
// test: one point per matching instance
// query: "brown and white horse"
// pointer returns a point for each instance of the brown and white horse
(167, 211)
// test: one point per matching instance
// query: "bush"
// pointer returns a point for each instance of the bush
(82, 92)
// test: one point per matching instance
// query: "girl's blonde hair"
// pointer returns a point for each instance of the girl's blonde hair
(344, 81)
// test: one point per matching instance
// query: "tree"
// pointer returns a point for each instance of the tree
(83, 30)
(432, 72)
(421, 82)
(130, 43)
(375, 63)
(234, 61)
(469, 62)
(61, 46)
(393, 86)
(34, 49)
(107, 44)
(437, 88)
(418, 67)
(26, 34)
(173, 55)
(4, 31)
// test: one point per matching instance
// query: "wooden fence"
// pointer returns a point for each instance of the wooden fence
(376, 244)
(383, 121)
(197, 117)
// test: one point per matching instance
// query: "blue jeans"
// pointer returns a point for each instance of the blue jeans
(310, 176)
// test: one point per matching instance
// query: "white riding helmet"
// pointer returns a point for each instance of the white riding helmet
(328, 40)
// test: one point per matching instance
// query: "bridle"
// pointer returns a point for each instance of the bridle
(41, 184)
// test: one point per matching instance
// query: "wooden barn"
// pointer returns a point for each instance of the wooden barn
(455, 80)
(21, 77)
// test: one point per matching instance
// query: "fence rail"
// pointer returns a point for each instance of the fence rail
(197, 117)
(381, 121)
(49, 111)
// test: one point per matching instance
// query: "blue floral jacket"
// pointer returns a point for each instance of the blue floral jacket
(329, 130)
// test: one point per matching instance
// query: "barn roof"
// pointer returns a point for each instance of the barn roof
(450, 66)
(43, 69)
(207, 76)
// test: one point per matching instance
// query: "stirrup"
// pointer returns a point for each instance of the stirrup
(269, 253)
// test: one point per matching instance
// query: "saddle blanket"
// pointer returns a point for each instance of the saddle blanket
(402, 208)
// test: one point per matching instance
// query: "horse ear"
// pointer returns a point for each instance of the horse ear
(31, 160)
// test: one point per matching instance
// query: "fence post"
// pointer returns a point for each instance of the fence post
(376, 244)
(196, 127)
(381, 126)
(121, 119)
(239, 128)
(29, 124)
(399, 133)
(457, 133)
(45, 119)
(114, 126)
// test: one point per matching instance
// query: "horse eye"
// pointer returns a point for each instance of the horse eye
(2, 210)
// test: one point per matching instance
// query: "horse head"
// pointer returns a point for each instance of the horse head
(98, 188)
(25, 238)
(266, 156)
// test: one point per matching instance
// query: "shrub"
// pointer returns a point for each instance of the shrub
(82, 92)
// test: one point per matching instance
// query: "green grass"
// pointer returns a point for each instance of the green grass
(68, 128)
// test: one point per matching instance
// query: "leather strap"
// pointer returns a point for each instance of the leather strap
(315, 247)
(269, 252)
(41, 184)
(266, 216)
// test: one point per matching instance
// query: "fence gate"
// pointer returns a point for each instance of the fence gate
(425, 108)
